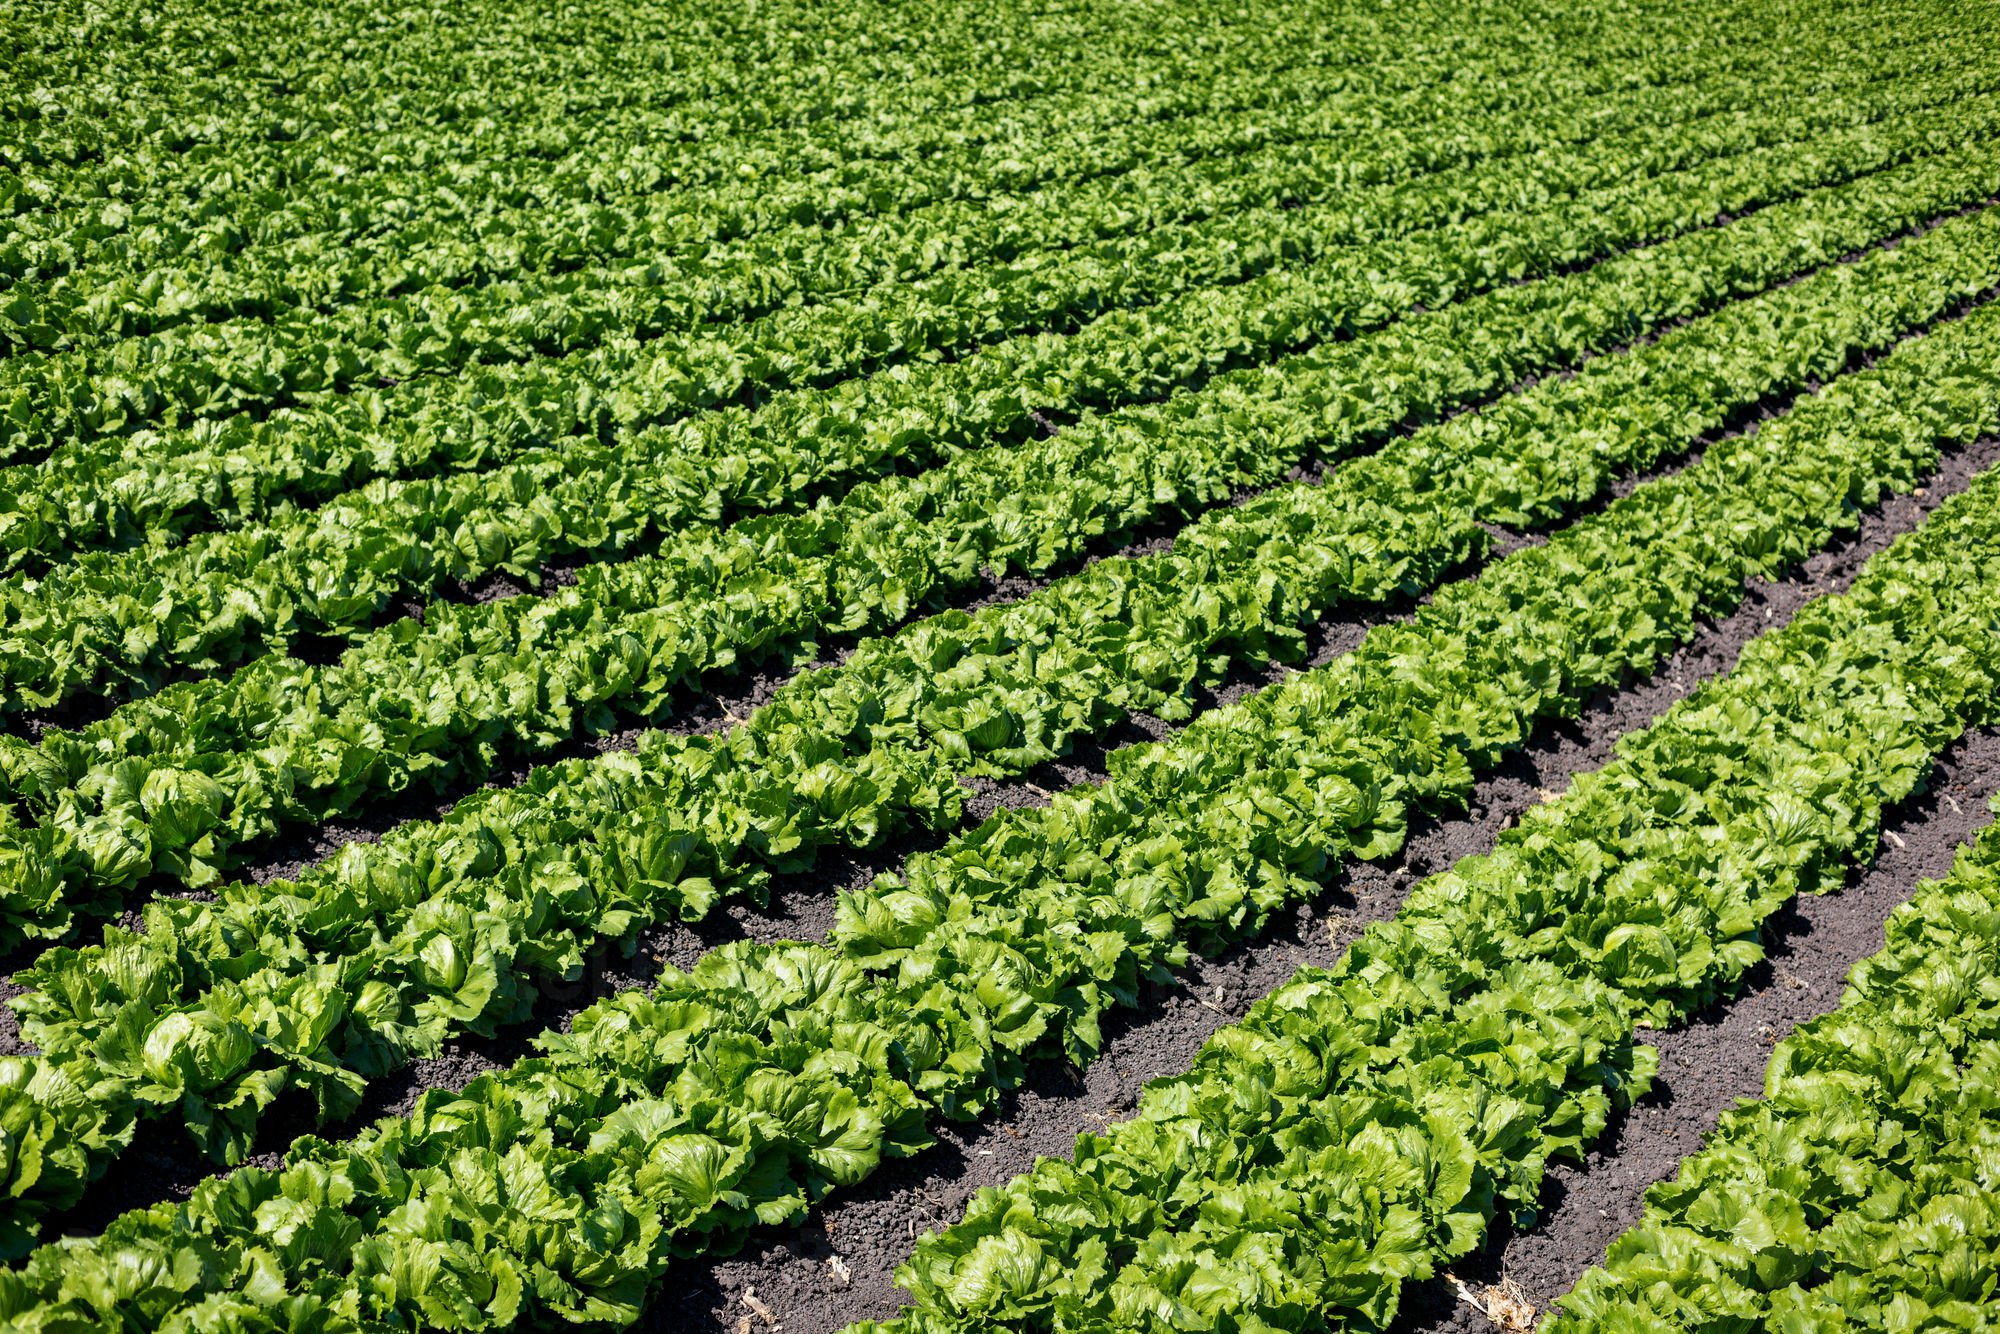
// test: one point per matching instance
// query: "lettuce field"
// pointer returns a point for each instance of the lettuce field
(1096, 667)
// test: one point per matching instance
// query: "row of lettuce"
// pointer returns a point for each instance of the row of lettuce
(786, 310)
(177, 784)
(1859, 1192)
(740, 1092)
(616, 123)
(216, 160)
(121, 491)
(622, 404)
(376, 957)
(1078, 152)
(145, 615)
(461, 199)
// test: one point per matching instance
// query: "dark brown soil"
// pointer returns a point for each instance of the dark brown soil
(872, 1229)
